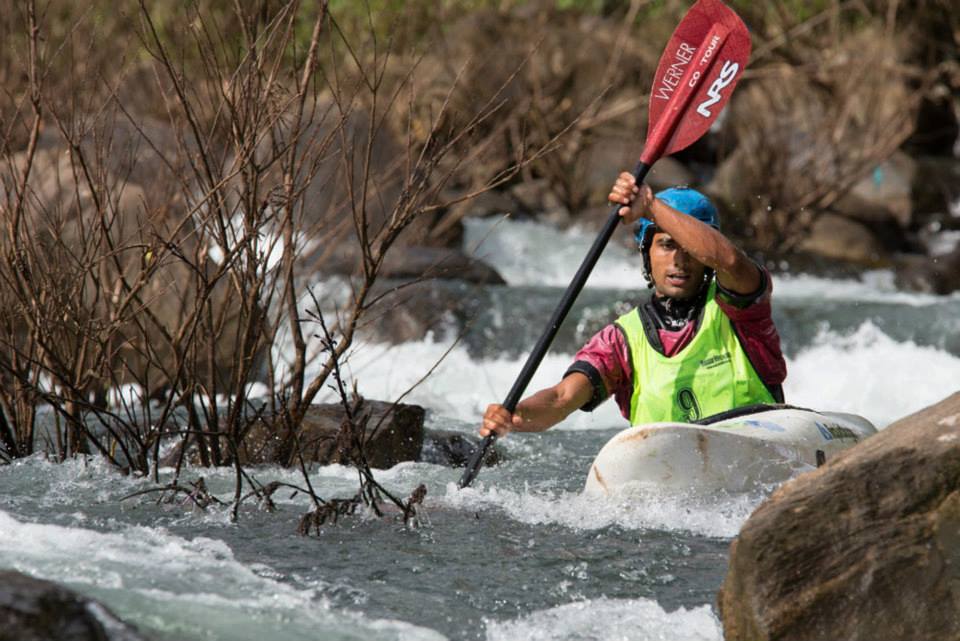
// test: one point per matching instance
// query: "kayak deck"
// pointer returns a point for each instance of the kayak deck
(741, 453)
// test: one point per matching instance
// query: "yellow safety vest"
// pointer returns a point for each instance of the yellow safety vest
(711, 374)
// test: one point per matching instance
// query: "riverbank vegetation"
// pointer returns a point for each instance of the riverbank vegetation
(161, 220)
(176, 177)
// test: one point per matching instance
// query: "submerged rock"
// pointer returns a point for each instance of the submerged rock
(865, 547)
(37, 610)
(448, 447)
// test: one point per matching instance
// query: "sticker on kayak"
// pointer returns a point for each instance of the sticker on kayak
(830, 432)
(767, 425)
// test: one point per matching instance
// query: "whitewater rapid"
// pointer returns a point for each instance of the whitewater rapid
(860, 370)
(521, 554)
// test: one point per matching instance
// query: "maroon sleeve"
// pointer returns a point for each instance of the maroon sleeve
(605, 360)
(752, 318)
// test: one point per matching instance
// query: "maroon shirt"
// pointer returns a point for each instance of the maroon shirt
(605, 359)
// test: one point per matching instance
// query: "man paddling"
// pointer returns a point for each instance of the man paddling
(704, 343)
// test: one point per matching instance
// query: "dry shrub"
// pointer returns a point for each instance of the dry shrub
(807, 133)
(172, 257)
(559, 78)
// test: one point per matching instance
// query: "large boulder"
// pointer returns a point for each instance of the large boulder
(389, 433)
(937, 186)
(865, 547)
(731, 183)
(37, 610)
(415, 263)
(669, 172)
(541, 92)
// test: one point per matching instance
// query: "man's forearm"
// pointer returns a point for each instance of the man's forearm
(701, 241)
(541, 411)
(734, 270)
(549, 406)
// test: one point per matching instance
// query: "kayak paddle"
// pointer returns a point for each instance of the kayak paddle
(695, 77)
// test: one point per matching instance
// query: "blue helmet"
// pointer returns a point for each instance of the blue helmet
(683, 199)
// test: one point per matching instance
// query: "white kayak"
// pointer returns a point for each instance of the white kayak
(741, 450)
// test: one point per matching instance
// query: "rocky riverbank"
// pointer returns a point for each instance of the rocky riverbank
(839, 152)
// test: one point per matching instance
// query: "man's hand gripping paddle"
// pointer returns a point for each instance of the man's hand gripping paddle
(697, 73)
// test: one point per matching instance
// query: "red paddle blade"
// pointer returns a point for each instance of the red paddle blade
(695, 78)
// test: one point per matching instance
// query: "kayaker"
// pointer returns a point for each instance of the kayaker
(704, 343)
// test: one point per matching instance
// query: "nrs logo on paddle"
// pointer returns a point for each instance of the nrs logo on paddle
(674, 73)
(727, 74)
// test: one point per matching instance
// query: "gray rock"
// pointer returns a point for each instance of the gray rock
(937, 185)
(929, 274)
(37, 610)
(410, 311)
(390, 434)
(883, 194)
(454, 449)
(604, 158)
(417, 262)
(728, 184)
(669, 172)
(834, 236)
(865, 547)
(489, 203)
(439, 262)
(530, 195)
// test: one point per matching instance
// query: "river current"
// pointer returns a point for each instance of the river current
(519, 555)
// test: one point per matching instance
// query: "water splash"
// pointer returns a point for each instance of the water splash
(610, 620)
(636, 508)
(868, 373)
(183, 588)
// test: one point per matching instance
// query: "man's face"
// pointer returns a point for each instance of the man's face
(675, 273)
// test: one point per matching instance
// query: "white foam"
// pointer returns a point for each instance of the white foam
(877, 286)
(865, 372)
(870, 374)
(460, 387)
(647, 507)
(530, 253)
(140, 571)
(610, 620)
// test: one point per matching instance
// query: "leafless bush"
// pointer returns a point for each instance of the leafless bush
(816, 117)
(169, 258)
(563, 78)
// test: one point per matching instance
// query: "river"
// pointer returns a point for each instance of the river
(519, 555)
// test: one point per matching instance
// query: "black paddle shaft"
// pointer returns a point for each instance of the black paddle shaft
(550, 332)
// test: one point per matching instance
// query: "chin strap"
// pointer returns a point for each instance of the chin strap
(674, 313)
